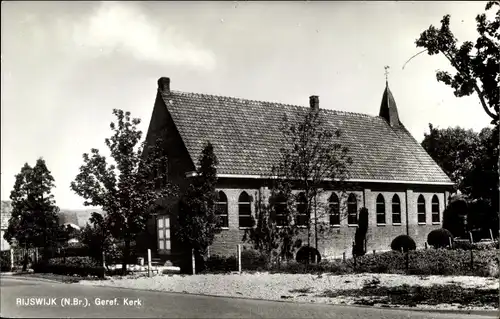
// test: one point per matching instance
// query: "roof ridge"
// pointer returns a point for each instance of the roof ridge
(205, 95)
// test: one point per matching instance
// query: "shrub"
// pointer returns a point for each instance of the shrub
(307, 253)
(253, 260)
(467, 245)
(421, 262)
(5, 261)
(360, 236)
(404, 242)
(439, 238)
(80, 266)
(218, 263)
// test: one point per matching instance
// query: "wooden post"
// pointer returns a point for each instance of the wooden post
(193, 263)
(425, 245)
(374, 252)
(11, 259)
(470, 237)
(103, 259)
(450, 242)
(208, 251)
(343, 256)
(149, 262)
(471, 259)
(238, 250)
(491, 235)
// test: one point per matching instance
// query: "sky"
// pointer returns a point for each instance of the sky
(66, 65)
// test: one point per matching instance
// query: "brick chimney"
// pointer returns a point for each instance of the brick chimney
(314, 102)
(164, 85)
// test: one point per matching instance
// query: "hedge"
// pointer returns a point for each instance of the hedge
(420, 262)
(80, 266)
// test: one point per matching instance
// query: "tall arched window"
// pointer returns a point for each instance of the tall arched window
(380, 209)
(334, 205)
(435, 209)
(302, 218)
(280, 210)
(396, 209)
(421, 209)
(221, 209)
(352, 210)
(244, 210)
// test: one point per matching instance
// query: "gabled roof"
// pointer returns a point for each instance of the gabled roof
(246, 137)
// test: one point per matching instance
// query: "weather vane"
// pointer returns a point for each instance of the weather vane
(386, 72)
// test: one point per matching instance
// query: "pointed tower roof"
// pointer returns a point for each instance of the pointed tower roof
(388, 108)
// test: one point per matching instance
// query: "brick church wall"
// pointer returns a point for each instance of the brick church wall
(338, 240)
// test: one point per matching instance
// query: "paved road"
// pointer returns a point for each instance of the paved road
(168, 305)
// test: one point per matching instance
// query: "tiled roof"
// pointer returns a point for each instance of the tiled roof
(246, 138)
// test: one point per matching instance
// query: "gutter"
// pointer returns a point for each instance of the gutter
(354, 180)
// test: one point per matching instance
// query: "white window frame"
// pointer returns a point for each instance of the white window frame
(163, 227)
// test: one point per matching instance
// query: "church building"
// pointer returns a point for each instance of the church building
(404, 190)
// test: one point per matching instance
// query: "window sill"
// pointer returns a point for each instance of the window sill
(381, 224)
(245, 227)
(352, 225)
(335, 226)
(301, 226)
(422, 223)
(224, 228)
(436, 223)
(396, 224)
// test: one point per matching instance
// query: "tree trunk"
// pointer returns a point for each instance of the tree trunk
(126, 253)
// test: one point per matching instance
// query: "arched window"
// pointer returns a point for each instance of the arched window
(280, 210)
(421, 209)
(334, 205)
(302, 218)
(352, 210)
(380, 209)
(435, 209)
(396, 209)
(244, 210)
(221, 209)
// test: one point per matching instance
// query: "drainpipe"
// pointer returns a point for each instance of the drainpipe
(407, 223)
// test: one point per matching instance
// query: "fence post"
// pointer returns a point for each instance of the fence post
(343, 256)
(103, 259)
(451, 243)
(193, 263)
(11, 259)
(374, 252)
(470, 237)
(471, 259)
(208, 251)
(425, 245)
(407, 260)
(491, 235)
(149, 262)
(238, 250)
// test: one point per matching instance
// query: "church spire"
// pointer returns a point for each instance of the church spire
(388, 108)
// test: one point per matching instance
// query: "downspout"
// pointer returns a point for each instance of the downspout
(407, 223)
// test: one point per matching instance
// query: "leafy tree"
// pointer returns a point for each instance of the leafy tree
(264, 234)
(198, 220)
(311, 158)
(96, 236)
(130, 186)
(34, 221)
(470, 159)
(455, 150)
(476, 64)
